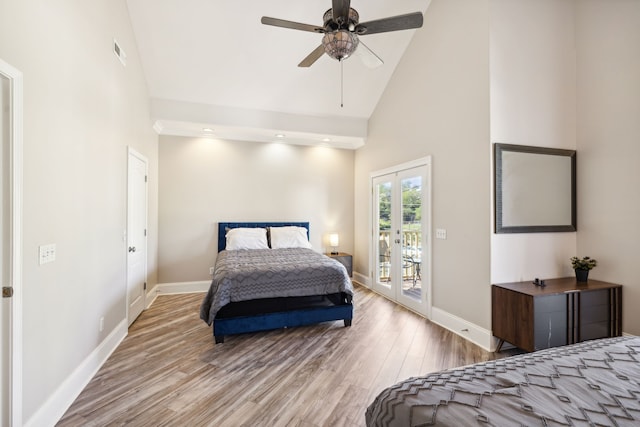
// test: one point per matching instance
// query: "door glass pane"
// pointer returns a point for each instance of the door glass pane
(412, 237)
(383, 258)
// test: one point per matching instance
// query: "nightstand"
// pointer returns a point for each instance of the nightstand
(344, 259)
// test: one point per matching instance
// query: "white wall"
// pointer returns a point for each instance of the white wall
(542, 93)
(437, 103)
(565, 74)
(206, 181)
(608, 107)
(533, 81)
(82, 110)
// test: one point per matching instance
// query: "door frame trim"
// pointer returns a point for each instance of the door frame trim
(16, 170)
(422, 161)
(143, 158)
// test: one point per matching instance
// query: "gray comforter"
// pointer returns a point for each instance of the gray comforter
(594, 383)
(244, 275)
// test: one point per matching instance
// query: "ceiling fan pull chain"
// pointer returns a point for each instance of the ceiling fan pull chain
(341, 83)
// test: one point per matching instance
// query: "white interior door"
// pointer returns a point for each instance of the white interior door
(5, 307)
(401, 208)
(136, 234)
(10, 248)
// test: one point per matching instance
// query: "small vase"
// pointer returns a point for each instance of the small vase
(581, 275)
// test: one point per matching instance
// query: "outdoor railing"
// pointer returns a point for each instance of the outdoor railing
(411, 253)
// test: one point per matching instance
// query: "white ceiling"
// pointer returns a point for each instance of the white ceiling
(204, 58)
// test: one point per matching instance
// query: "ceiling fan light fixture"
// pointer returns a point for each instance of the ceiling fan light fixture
(340, 44)
(329, 21)
(341, 28)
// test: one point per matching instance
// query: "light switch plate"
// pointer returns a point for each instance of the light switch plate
(47, 253)
(441, 233)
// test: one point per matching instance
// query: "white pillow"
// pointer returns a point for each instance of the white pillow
(289, 237)
(246, 238)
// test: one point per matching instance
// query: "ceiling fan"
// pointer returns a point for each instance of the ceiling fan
(341, 29)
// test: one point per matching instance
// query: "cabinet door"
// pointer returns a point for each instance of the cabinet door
(512, 317)
(550, 321)
(594, 314)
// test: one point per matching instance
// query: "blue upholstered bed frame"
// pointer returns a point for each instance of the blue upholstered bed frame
(224, 226)
(291, 316)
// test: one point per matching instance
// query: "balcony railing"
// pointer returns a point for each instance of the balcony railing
(411, 256)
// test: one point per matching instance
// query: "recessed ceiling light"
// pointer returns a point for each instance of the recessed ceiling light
(326, 139)
(279, 135)
(207, 130)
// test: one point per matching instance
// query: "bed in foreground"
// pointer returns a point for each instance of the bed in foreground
(593, 383)
(274, 282)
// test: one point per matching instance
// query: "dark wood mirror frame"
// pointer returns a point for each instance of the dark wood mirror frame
(521, 184)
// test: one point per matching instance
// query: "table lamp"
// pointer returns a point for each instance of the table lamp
(334, 241)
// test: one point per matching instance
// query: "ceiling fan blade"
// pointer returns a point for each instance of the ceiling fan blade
(290, 24)
(312, 57)
(393, 23)
(367, 56)
(341, 11)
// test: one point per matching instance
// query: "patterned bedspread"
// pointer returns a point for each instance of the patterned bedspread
(594, 383)
(244, 275)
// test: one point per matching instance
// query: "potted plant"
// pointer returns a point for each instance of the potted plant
(582, 267)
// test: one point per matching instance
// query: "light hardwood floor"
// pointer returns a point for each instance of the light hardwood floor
(169, 372)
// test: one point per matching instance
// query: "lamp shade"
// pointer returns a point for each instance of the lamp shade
(334, 239)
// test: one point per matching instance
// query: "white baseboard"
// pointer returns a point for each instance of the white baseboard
(362, 279)
(464, 328)
(182, 287)
(58, 403)
(175, 288)
(470, 331)
(150, 297)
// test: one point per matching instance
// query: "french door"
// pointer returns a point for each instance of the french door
(400, 242)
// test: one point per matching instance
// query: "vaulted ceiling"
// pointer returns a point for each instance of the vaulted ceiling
(212, 64)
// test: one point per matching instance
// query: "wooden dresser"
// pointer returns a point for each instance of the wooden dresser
(562, 312)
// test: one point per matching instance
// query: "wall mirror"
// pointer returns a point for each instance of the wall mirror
(535, 189)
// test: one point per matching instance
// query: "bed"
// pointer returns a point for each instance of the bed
(257, 288)
(593, 383)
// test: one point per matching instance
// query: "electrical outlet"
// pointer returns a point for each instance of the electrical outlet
(47, 253)
(441, 233)
(101, 324)
(210, 271)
